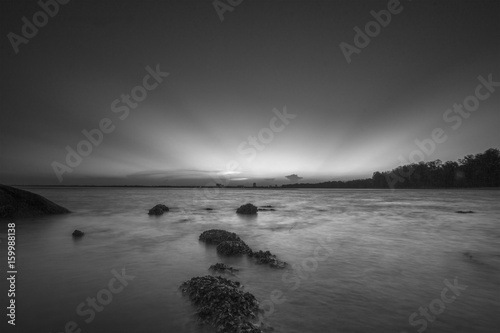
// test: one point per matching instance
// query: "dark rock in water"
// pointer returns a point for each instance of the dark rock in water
(266, 209)
(228, 243)
(231, 248)
(78, 233)
(217, 236)
(209, 209)
(267, 206)
(16, 203)
(248, 209)
(158, 210)
(464, 211)
(268, 258)
(222, 304)
(222, 268)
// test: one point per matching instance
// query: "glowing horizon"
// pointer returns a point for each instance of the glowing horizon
(221, 91)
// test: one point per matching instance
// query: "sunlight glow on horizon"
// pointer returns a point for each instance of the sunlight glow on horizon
(351, 119)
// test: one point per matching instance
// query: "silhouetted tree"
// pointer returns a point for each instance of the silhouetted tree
(481, 170)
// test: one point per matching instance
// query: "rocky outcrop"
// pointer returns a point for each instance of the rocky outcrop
(16, 203)
(247, 209)
(158, 210)
(231, 248)
(222, 268)
(268, 258)
(230, 244)
(464, 211)
(78, 233)
(217, 236)
(223, 304)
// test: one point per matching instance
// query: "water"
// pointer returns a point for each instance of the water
(361, 260)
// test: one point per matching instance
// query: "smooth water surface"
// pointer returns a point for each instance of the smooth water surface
(360, 260)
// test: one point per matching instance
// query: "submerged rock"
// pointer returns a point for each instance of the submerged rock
(16, 203)
(268, 258)
(248, 209)
(464, 211)
(266, 209)
(78, 233)
(222, 268)
(473, 258)
(209, 209)
(158, 210)
(217, 236)
(231, 248)
(222, 304)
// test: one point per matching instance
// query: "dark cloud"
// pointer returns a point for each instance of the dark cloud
(293, 178)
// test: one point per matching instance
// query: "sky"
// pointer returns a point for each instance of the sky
(184, 93)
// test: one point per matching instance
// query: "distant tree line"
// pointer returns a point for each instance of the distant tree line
(480, 170)
(357, 183)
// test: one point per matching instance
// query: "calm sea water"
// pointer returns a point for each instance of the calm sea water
(361, 260)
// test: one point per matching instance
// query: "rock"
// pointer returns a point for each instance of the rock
(222, 304)
(16, 203)
(248, 209)
(209, 209)
(266, 209)
(268, 258)
(228, 243)
(217, 236)
(78, 233)
(267, 206)
(158, 210)
(222, 268)
(464, 211)
(231, 248)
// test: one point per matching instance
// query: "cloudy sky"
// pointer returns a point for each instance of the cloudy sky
(265, 93)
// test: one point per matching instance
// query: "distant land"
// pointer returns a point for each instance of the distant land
(473, 171)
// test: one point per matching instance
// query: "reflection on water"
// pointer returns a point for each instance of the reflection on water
(361, 260)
